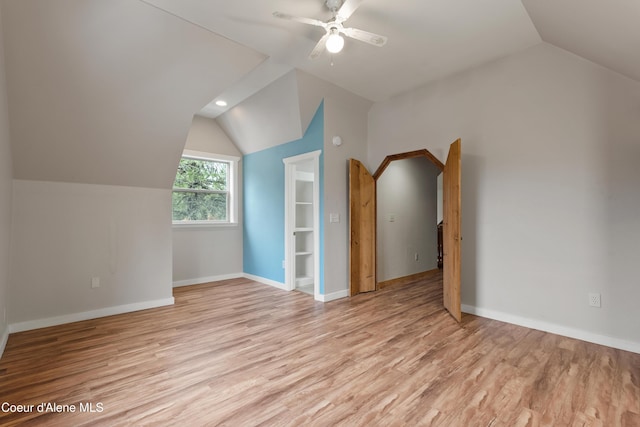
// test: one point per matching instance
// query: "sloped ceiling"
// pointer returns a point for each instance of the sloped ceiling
(279, 113)
(427, 39)
(103, 92)
(605, 32)
(270, 117)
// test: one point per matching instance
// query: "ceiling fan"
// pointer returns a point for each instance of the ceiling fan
(333, 40)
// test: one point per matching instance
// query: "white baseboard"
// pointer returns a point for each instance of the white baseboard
(200, 280)
(282, 286)
(264, 281)
(554, 328)
(333, 296)
(3, 341)
(86, 315)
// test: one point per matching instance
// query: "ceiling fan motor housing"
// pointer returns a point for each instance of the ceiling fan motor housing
(333, 5)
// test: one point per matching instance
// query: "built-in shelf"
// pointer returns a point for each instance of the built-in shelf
(304, 231)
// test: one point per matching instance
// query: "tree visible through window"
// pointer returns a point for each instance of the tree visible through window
(201, 191)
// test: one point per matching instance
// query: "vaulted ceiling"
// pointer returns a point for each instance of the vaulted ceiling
(427, 39)
(103, 91)
(605, 32)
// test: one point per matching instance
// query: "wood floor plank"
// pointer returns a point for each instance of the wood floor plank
(239, 353)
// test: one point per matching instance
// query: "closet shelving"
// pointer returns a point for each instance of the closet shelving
(304, 228)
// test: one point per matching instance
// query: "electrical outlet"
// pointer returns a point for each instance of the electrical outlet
(282, 263)
(95, 282)
(416, 257)
(594, 299)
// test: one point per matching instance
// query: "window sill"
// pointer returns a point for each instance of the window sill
(191, 225)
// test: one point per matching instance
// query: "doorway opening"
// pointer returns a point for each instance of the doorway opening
(407, 221)
(362, 224)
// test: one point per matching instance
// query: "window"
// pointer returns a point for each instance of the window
(203, 190)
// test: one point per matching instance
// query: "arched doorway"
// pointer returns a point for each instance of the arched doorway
(362, 224)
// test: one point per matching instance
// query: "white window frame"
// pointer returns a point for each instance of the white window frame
(232, 189)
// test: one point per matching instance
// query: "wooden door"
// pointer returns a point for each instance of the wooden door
(451, 230)
(362, 227)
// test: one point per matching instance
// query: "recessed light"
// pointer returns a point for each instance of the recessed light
(221, 103)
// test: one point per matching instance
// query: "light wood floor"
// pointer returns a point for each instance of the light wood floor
(238, 353)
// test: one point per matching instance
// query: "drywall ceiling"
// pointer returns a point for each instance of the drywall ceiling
(268, 118)
(279, 113)
(427, 39)
(605, 32)
(104, 92)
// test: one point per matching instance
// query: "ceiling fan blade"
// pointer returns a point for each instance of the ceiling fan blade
(347, 9)
(309, 21)
(319, 47)
(365, 36)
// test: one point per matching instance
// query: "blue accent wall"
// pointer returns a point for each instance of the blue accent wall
(263, 204)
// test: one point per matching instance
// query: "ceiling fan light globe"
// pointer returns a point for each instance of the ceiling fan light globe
(335, 43)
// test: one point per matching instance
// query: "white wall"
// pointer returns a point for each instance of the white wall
(206, 253)
(406, 218)
(5, 198)
(345, 115)
(206, 135)
(551, 147)
(65, 234)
